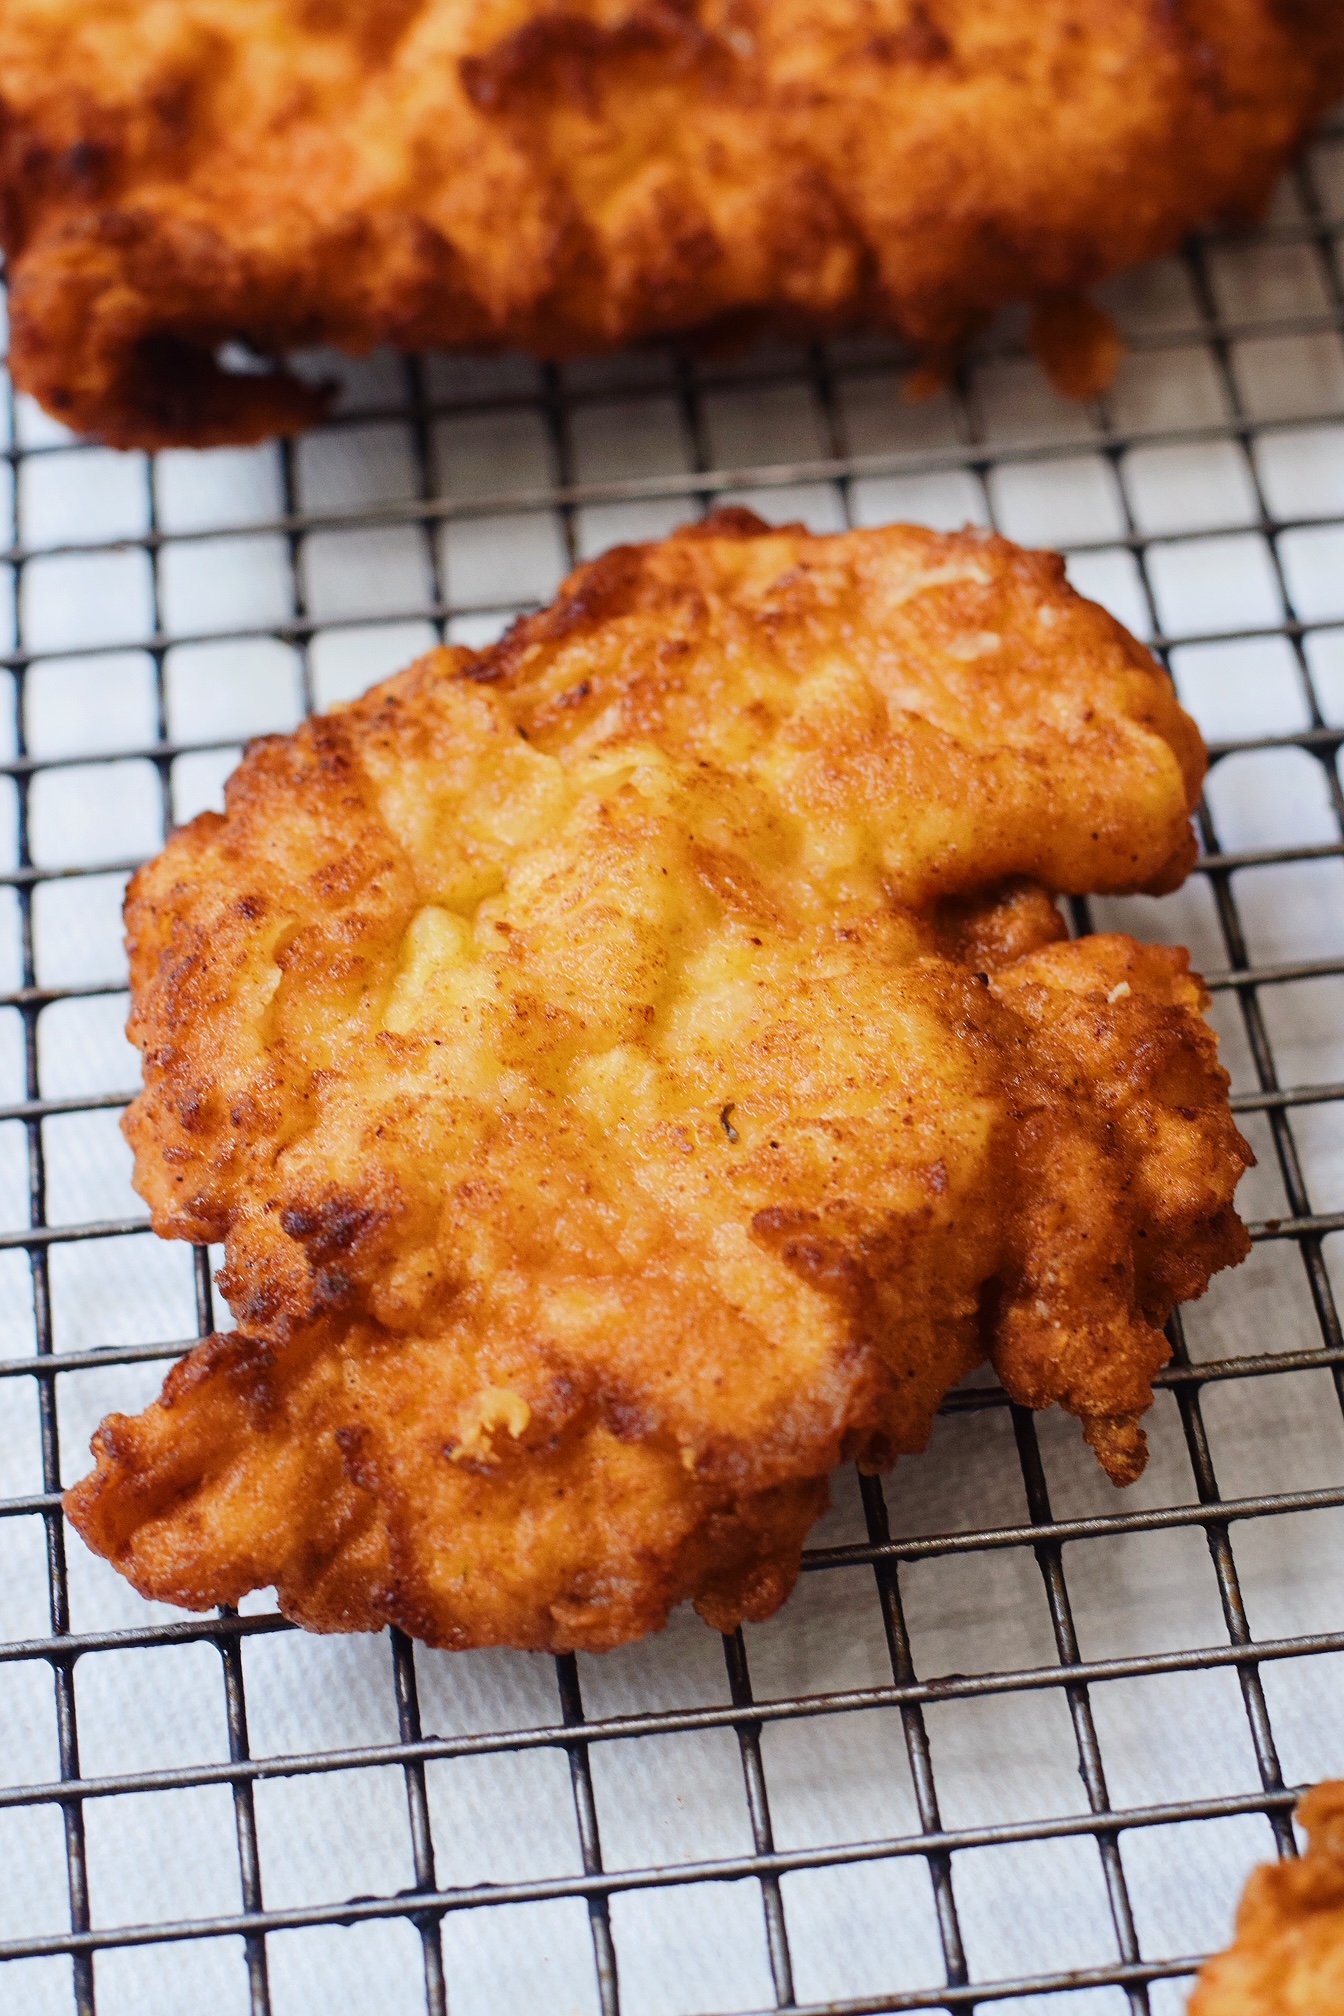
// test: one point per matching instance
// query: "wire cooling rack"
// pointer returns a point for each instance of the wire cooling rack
(1017, 1738)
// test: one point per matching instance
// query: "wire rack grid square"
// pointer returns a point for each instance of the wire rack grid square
(1015, 1739)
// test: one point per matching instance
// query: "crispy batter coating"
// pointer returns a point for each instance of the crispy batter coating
(288, 172)
(1288, 1958)
(638, 1067)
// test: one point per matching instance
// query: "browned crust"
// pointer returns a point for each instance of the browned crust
(1288, 1956)
(284, 174)
(639, 1067)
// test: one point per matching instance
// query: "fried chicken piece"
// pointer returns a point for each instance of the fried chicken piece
(1288, 1958)
(290, 172)
(636, 1068)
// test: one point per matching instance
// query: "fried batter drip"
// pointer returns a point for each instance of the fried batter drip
(636, 1068)
(1288, 1958)
(289, 172)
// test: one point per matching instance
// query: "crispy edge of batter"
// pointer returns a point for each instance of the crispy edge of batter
(1287, 1908)
(1094, 1359)
(158, 1504)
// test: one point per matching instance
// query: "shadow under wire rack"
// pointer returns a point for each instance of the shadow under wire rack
(1016, 1739)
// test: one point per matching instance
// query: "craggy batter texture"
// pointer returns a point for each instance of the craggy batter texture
(566, 175)
(1288, 1959)
(639, 1067)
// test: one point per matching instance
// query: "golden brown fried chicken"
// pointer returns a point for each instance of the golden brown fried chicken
(1288, 1958)
(637, 1067)
(567, 175)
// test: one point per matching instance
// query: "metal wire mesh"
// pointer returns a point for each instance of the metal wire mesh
(162, 609)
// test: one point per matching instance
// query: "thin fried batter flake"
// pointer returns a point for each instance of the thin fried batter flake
(568, 175)
(1288, 1956)
(640, 1066)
